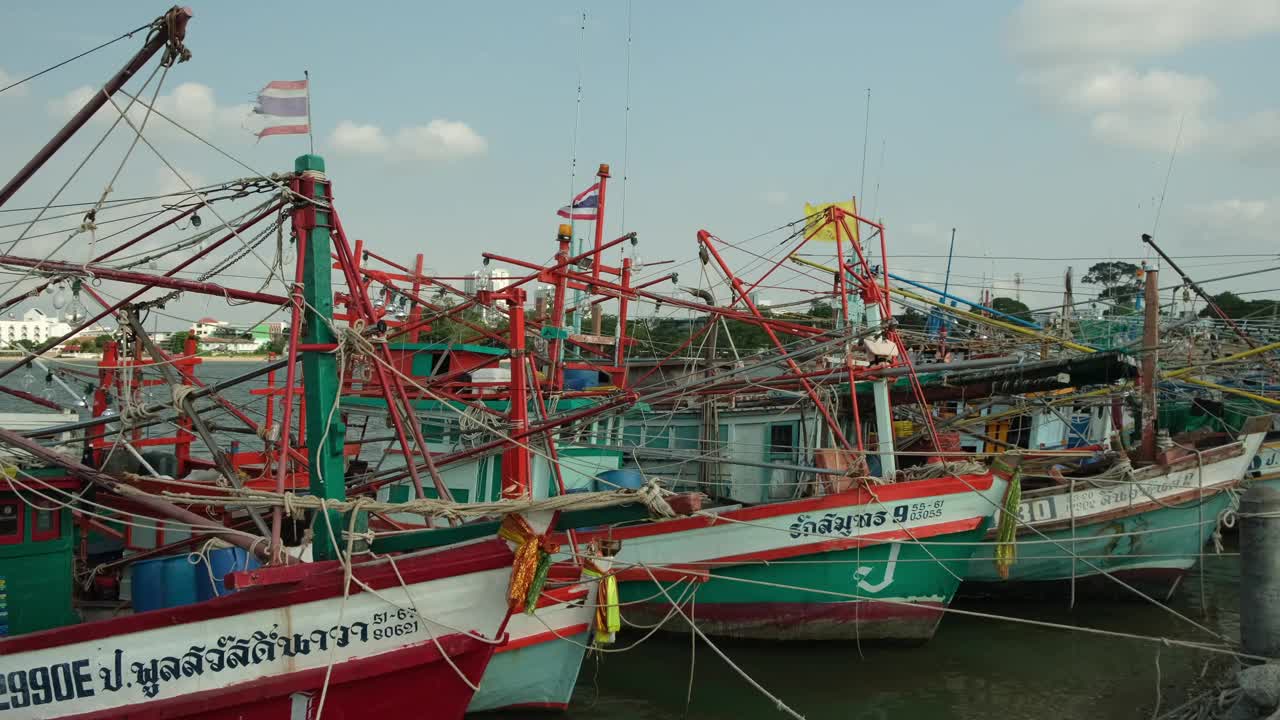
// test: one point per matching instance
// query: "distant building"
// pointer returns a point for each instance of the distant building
(207, 327)
(34, 326)
(228, 345)
(499, 279)
(473, 283)
(265, 333)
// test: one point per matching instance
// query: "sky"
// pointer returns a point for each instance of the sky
(1044, 131)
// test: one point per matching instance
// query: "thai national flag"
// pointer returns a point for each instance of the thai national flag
(586, 206)
(287, 106)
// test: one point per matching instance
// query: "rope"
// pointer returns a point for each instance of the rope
(651, 495)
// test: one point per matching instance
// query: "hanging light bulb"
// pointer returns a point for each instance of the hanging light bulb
(28, 380)
(195, 220)
(76, 311)
(60, 297)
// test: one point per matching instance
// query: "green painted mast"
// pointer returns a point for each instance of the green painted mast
(325, 431)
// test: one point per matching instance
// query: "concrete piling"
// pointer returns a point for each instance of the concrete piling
(1260, 572)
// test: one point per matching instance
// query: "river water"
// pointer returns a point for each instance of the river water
(975, 668)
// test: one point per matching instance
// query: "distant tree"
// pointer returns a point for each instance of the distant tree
(1119, 280)
(820, 309)
(910, 319)
(26, 344)
(177, 342)
(1010, 306)
(1237, 307)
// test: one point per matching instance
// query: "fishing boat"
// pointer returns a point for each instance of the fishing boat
(800, 542)
(310, 628)
(1112, 527)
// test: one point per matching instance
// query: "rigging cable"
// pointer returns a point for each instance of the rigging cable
(51, 68)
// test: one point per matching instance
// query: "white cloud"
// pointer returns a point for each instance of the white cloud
(1079, 55)
(1072, 30)
(354, 138)
(439, 139)
(1235, 220)
(192, 105)
(5, 80)
(1124, 87)
(168, 182)
(1255, 138)
(1233, 210)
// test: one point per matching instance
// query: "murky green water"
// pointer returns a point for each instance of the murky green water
(974, 669)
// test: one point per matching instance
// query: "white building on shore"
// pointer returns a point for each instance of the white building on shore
(35, 327)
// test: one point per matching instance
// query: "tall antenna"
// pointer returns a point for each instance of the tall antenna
(1167, 174)
(1068, 305)
(626, 130)
(577, 117)
(866, 127)
(875, 200)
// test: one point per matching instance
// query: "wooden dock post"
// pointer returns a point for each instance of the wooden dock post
(1260, 571)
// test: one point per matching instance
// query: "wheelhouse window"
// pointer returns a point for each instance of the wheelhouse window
(10, 522)
(782, 441)
(46, 523)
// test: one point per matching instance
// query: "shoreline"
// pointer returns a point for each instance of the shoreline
(96, 359)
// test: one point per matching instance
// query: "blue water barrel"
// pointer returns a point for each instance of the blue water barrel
(581, 379)
(163, 582)
(222, 561)
(616, 479)
(148, 584)
(179, 581)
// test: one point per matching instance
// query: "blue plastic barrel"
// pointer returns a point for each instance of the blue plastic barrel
(581, 379)
(148, 584)
(163, 582)
(179, 581)
(222, 561)
(616, 479)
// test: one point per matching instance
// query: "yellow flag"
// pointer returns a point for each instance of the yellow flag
(828, 233)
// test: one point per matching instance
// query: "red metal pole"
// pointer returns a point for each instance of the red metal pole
(152, 281)
(390, 382)
(415, 313)
(555, 371)
(139, 278)
(290, 377)
(619, 350)
(32, 398)
(175, 21)
(106, 379)
(1150, 342)
(516, 479)
(493, 444)
(704, 237)
(35, 291)
(598, 258)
